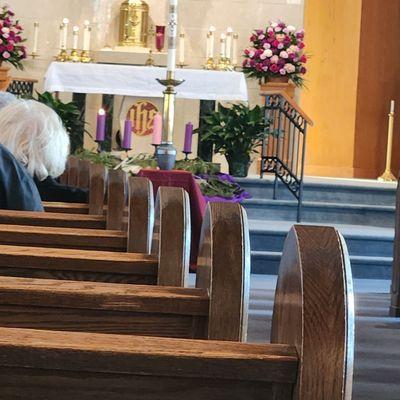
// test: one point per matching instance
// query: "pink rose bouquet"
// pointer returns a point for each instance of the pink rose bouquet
(276, 51)
(11, 48)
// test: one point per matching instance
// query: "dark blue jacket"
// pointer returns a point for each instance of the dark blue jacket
(17, 188)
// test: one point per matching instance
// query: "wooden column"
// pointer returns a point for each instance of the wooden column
(354, 72)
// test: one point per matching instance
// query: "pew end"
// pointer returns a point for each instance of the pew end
(314, 311)
(172, 236)
(224, 269)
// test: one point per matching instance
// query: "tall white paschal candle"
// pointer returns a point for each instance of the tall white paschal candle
(172, 34)
(211, 41)
(65, 33)
(182, 48)
(229, 35)
(75, 38)
(35, 37)
(86, 36)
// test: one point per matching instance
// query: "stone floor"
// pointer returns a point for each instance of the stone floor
(377, 356)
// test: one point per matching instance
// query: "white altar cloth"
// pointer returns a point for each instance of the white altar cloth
(141, 81)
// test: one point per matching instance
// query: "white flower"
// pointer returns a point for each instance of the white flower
(293, 49)
(267, 46)
(274, 24)
(5, 30)
(291, 28)
(6, 35)
(265, 68)
(268, 53)
(282, 71)
(278, 29)
(284, 54)
(261, 37)
(290, 68)
(252, 53)
(270, 29)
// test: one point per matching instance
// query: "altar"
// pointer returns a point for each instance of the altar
(137, 85)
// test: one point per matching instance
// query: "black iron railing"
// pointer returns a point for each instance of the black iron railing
(22, 87)
(284, 145)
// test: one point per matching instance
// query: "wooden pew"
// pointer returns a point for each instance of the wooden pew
(167, 265)
(217, 309)
(136, 240)
(310, 357)
(395, 287)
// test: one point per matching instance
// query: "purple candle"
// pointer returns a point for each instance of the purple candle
(127, 141)
(187, 148)
(101, 126)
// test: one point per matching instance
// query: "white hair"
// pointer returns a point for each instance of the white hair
(35, 135)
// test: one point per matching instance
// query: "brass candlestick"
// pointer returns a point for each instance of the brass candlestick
(388, 176)
(85, 57)
(74, 57)
(166, 152)
(62, 56)
(209, 65)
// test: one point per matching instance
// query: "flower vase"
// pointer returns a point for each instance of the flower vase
(239, 164)
(5, 78)
(278, 84)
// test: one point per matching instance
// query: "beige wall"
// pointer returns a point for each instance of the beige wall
(195, 18)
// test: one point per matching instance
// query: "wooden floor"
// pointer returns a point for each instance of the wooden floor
(377, 358)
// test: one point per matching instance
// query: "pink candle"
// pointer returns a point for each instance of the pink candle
(127, 141)
(188, 138)
(157, 129)
(101, 126)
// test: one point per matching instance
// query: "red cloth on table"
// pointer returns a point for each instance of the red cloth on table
(198, 204)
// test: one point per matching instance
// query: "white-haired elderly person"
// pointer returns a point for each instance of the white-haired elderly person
(36, 137)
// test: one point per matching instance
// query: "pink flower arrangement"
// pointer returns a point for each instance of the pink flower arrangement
(275, 51)
(11, 48)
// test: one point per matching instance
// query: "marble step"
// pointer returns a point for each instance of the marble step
(363, 267)
(361, 240)
(327, 190)
(338, 213)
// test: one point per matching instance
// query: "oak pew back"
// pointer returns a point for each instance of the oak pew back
(147, 310)
(118, 267)
(313, 306)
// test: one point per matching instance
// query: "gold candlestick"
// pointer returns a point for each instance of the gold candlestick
(388, 176)
(62, 56)
(166, 152)
(85, 57)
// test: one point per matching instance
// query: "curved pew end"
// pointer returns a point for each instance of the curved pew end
(83, 174)
(171, 236)
(314, 311)
(116, 199)
(224, 269)
(141, 215)
(73, 170)
(97, 189)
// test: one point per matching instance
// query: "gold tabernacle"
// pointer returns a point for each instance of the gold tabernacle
(134, 19)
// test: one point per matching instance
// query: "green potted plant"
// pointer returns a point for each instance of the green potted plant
(236, 132)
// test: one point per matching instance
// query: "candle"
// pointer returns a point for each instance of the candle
(75, 38)
(127, 141)
(157, 129)
(187, 148)
(392, 107)
(182, 48)
(235, 49)
(61, 36)
(86, 36)
(35, 37)
(229, 43)
(65, 34)
(172, 34)
(211, 44)
(223, 45)
(101, 126)
(208, 45)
